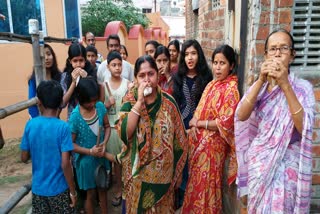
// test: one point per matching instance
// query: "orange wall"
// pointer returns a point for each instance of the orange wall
(16, 67)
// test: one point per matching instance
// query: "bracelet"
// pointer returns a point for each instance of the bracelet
(135, 111)
(90, 150)
(251, 103)
(300, 109)
(75, 195)
(207, 121)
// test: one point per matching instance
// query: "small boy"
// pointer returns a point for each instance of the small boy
(48, 141)
(92, 56)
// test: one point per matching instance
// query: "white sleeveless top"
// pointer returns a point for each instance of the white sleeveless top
(118, 94)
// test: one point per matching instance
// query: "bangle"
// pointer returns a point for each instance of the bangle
(207, 121)
(90, 150)
(300, 109)
(135, 111)
(251, 103)
(75, 195)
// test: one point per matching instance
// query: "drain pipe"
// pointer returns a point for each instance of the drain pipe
(243, 44)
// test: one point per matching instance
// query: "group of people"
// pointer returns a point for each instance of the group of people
(180, 136)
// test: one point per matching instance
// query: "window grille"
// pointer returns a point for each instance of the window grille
(306, 33)
(215, 4)
(18, 12)
(146, 10)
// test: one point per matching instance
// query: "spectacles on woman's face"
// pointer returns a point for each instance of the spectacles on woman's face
(283, 49)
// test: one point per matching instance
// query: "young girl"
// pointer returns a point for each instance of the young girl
(162, 58)
(52, 73)
(189, 82)
(76, 66)
(150, 47)
(115, 89)
(123, 52)
(87, 121)
(174, 50)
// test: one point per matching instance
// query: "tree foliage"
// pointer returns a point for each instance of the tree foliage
(98, 13)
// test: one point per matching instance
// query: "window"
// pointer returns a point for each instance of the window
(215, 4)
(306, 33)
(195, 4)
(72, 19)
(18, 12)
(146, 10)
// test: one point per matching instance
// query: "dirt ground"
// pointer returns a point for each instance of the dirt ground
(14, 174)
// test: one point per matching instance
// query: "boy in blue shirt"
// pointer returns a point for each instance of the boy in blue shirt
(48, 141)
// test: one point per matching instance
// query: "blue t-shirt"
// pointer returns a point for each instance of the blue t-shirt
(45, 138)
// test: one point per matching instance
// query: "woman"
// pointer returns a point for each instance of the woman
(162, 58)
(150, 47)
(274, 140)
(188, 85)
(174, 50)
(152, 130)
(52, 73)
(211, 138)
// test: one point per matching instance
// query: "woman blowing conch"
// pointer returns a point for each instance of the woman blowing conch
(151, 127)
(273, 129)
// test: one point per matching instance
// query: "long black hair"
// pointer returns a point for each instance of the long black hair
(204, 74)
(76, 49)
(176, 44)
(142, 59)
(229, 53)
(54, 70)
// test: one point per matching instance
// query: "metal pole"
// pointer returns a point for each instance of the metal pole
(6, 111)
(37, 62)
(15, 199)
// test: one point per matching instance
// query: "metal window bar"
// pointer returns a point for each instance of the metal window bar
(306, 33)
(215, 4)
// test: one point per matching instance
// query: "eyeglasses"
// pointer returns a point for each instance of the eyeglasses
(283, 49)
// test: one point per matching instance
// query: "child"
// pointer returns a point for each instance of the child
(47, 140)
(92, 56)
(86, 121)
(77, 65)
(115, 89)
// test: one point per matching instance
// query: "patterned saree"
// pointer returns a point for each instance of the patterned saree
(274, 159)
(153, 160)
(207, 154)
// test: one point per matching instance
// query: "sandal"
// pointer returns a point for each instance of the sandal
(116, 201)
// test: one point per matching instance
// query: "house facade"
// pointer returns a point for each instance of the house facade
(245, 24)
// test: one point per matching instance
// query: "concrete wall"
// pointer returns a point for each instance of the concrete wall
(16, 67)
(17, 61)
(212, 27)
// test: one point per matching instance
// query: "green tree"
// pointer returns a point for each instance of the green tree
(97, 13)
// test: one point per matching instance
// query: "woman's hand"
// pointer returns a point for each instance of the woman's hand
(192, 132)
(266, 67)
(280, 73)
(193, 122)
(141, 88)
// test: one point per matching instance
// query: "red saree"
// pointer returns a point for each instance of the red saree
(208, 153)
